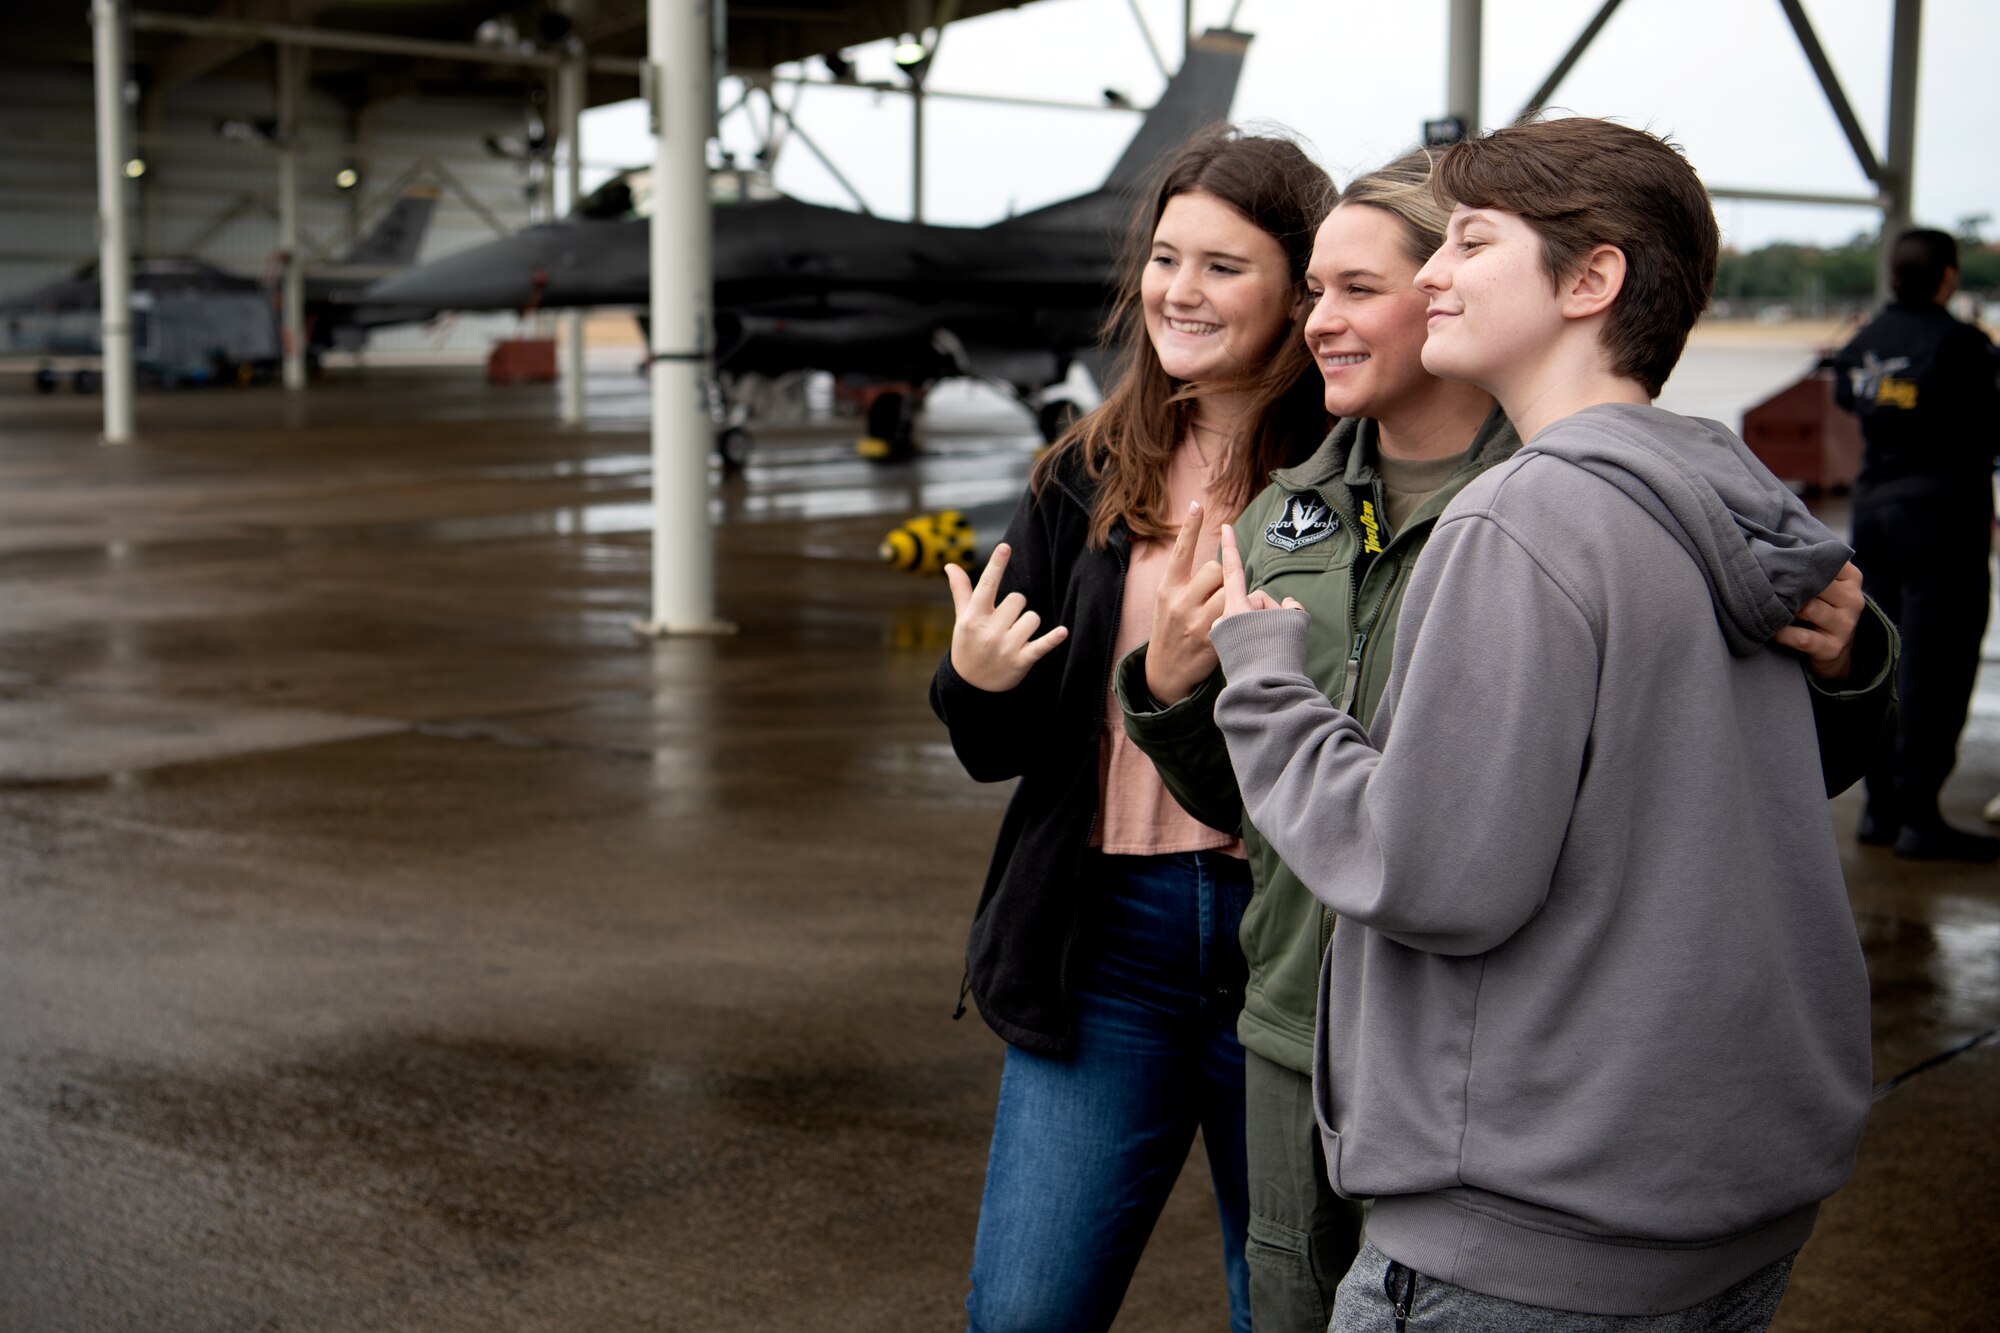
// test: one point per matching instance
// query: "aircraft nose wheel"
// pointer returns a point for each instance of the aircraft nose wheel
(1054, 418)
(732, 446)
(889, 438)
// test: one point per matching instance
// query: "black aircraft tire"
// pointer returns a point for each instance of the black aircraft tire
(84, 381)
(885, 416)
(889, 421)
(902, 448)
(1055, 417)
(733, 447)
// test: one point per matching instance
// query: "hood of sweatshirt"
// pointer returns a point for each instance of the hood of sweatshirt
(1763, 554)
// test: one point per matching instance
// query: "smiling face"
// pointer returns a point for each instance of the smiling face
(1366, 328)
(1217, 291)
(1493, 314)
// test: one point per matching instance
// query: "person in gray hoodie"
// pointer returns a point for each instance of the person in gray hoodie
(1594, 1022)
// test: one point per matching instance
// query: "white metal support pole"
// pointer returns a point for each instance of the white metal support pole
(114, 255)
(1461, 92)
(680, 55)
(569, 114)
(1900, 158)
(290, 61)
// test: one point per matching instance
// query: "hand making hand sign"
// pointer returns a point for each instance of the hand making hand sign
(1235, 600)
(993, 646)
(1179, 656)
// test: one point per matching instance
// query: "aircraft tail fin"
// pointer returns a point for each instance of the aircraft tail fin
(1198, 95)
(398, 235)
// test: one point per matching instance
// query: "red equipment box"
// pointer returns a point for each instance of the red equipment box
(1804, 437)
(522, 361)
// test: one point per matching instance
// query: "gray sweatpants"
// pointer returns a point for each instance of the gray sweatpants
(1372, 1291)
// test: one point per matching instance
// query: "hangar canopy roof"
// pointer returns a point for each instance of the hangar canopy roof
(762, 33)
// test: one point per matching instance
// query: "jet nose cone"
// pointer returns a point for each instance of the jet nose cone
(499, 275)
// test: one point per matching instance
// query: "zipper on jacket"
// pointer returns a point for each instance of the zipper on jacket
(964, 989)
(1358, 634)
(1358, 639)
(1347, 691)
(1351, 687)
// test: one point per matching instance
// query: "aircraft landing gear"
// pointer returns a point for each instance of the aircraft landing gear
(1054, 417)
(732, 440)
(889, 436)
(732, 446)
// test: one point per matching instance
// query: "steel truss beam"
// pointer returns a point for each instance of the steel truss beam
(1892, 175)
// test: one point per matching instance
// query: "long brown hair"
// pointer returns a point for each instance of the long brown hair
(1126, 445)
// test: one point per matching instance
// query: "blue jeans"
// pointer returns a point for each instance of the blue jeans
(1086, 1149)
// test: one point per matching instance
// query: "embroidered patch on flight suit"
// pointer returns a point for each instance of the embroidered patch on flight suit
(1875, 382)
(1371, 530)
(1306, 519)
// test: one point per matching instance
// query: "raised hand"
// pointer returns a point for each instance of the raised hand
(992, 646)
(1824, 631)
(1179, 657)
(1235, 599)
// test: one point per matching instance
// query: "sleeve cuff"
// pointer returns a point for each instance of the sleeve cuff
(1262, 642)
(1873, 661)
(1146, 719)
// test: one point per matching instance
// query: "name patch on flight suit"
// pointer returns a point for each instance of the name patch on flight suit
(1371, 529)
(1306, 519)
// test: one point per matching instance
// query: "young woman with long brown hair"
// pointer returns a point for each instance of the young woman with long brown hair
(1104, 949)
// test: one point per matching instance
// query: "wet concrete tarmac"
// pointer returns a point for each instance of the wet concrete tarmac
(390, 940)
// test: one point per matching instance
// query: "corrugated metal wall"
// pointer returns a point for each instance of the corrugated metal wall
(208, 198)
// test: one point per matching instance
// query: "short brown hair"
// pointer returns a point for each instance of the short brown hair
(1580, 183)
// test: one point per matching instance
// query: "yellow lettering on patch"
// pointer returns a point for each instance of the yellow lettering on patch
(1371, 532)
(1892, 392)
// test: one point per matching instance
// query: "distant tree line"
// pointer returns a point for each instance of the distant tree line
(1822, 278)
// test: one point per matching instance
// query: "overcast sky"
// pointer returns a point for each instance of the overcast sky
(1356, 79)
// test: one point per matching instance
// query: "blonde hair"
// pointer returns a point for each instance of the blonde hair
(1404, 189)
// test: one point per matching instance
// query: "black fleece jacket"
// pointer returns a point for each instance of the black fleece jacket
(1045, 731)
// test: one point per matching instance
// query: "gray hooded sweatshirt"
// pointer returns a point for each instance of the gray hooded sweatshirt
(1594, 1024)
